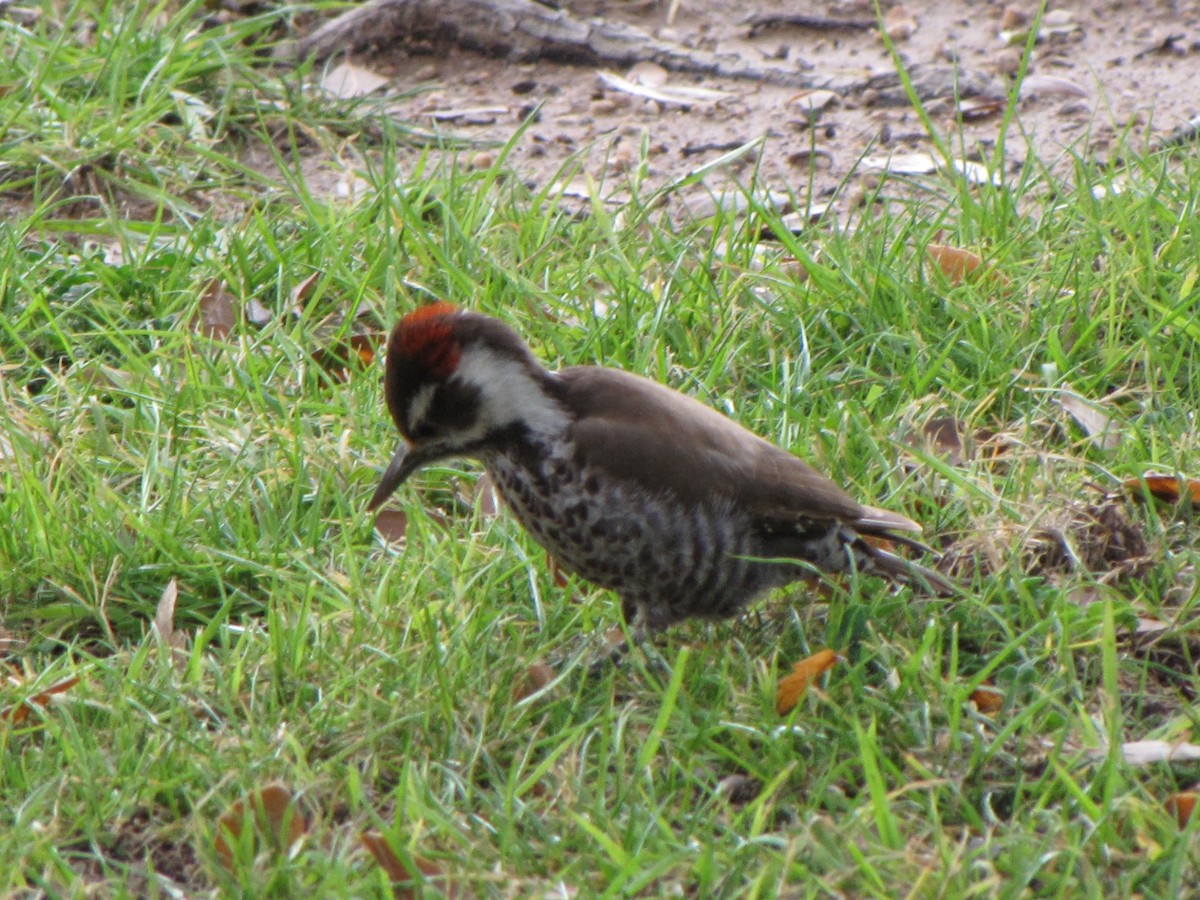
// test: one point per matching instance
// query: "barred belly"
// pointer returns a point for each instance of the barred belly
(675, 561)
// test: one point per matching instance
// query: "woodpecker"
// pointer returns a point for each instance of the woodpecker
(627, 483)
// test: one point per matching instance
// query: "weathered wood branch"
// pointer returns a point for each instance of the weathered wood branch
(524, 31)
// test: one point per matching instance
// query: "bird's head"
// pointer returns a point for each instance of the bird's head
(456, 382)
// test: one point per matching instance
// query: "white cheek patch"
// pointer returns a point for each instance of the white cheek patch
(509, 394)
(419, 407)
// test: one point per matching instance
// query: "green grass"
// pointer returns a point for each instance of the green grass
(148, 156)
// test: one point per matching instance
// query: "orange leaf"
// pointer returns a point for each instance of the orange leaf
(277, 817)
(1182, 806)
(958, 265)
(397, 870)
(19, 712)
(879, 543)
(792, 687)
(356, 352)
(987, 700)
(1168, 488)
(557, 573)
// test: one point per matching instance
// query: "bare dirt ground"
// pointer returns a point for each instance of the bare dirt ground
(1101, 69)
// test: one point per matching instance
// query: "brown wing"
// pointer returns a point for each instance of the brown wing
(639, 430)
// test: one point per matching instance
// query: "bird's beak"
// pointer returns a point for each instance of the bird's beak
(406, 461)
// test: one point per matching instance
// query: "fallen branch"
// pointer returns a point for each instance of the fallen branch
(760, 22)
(525, 31)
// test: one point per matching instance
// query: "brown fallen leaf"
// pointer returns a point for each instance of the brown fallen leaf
(944, 436)
(987, 699)
(215, 316)
(960, 265)
(391, 524)
(560, 576)
(955, 442)
(536, 677)
(19, 712)
(302, 291)
(398, 871)
(1182, 806)
(1168, 488)
(171, 644)
(277, 818)
(792, 687)
(356, 352)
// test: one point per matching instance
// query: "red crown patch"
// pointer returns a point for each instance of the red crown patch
(427, 334)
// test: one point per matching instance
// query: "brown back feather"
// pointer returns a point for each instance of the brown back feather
(637, 429)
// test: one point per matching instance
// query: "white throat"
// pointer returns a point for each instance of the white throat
(509, 393)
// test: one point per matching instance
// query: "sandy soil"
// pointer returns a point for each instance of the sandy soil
(1101, 69)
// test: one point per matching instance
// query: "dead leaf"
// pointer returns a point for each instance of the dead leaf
(487, 498)
(944, 436)
(1093, 420)
(987, 699)
(302, 291)
(739, 789)
(1145, 753)
(277, 818)
(255, 313)
(1147, 627)
(792, 687)
(950, 439)
(215, 317)
(19, 712)
(356, 352)
(557, 573)
(164, 615)
(392, 524)
(1168, 488)
(347, 81)
(535, 678)
(955, 263)
(171, 643)
(960, 265)
(398, 871)
(1182, 806)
